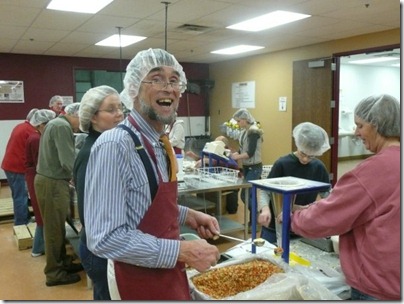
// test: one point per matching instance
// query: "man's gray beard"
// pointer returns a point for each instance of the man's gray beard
(151, 114)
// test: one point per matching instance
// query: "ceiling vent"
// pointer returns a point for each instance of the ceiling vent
(193, 29)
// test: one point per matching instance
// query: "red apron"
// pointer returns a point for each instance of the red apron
(141, 283)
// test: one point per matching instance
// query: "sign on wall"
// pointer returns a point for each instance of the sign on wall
(243, 94)
(11, 91)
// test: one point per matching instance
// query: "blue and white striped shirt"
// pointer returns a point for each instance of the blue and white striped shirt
(117, 196)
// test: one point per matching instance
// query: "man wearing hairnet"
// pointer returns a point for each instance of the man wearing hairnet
(131, 182)
(54, 173)
(39, 121)
(311, 141)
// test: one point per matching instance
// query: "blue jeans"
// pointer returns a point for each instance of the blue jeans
(96, 269)
(19, 193)
(38, 245)
(268, 234)
(357, 295)
(250, 173)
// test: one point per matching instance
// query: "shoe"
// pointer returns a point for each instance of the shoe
(35, 255)
(69, 279)
(73, 268)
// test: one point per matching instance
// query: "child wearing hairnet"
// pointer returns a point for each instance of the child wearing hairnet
(311, 141)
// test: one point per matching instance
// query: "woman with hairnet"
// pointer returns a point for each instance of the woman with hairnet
(311, 141)
(131, 211)
(39, 120)
(100, 110)
(250, 141)
(364, 207)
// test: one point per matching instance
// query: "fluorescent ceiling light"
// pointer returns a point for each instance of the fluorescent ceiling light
(396, 65)
(78, 6)
(237, 49)
(268, 21)
(373, 60)
(125, 40)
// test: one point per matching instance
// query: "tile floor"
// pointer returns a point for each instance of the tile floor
(22, 276)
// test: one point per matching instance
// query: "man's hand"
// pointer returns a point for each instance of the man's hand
(205, 224)
(198, 254)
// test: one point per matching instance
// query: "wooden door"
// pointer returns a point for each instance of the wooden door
(312, 101)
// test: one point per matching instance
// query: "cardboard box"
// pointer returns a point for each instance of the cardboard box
(23, 236)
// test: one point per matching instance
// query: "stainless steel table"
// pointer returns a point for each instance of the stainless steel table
(226, 225)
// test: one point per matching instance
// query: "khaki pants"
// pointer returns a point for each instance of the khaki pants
(54, 200)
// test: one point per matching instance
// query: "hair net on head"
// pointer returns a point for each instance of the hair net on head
(90, 103)
(311, 139)
(54, 99)
(73, 109)
(141, 65)
(244, 114)
(31, 113)
(42, 116)
(381, 111)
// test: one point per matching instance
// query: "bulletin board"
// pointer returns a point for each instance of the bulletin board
(11, 91)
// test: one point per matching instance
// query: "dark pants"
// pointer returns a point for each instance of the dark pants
(96, 269)
(252, 172)
(357, 295)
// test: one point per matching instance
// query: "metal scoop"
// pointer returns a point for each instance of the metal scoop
(259, 242)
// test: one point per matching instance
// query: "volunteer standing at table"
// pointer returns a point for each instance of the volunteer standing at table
(138, 217)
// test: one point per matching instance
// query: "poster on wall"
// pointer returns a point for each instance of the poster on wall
(11, 91)
(243, 94)
(67, 100)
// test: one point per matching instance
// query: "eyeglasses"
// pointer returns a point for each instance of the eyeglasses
(161, 85)
(304, 155)
(112, 111)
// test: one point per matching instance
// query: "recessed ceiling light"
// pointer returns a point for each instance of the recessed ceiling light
(268, 21)
(78, 6)
(125, 40)
(373, 60)
(237, 49)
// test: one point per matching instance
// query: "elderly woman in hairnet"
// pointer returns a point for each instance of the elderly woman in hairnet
(131, 211)
(250, 142)
(38, 120)
(100, 110)
(311, 141)
(364, 207)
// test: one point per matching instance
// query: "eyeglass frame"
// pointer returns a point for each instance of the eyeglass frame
(161, 85)
(113, 111)
(304, 155)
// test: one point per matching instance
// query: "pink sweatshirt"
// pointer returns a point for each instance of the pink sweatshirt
(364, 209)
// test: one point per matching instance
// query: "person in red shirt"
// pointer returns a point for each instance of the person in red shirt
(14, 167)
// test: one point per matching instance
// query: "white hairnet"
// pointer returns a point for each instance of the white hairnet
(140, 66)
(244, 114)
(90, 103)
(42, 116)
(54, 99)
(311, 139)
(73, 109)
(31, 113)
(383, 112)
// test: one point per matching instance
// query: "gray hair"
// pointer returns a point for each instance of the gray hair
(140, 66)
(311, 139)
(55, 99)
(42, 116)
(73, 109)
(381, 111)
(244, 114)
(90, 103)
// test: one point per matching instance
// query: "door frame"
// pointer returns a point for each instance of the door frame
(335, 94)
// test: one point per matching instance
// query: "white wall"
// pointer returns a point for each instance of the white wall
(358, 82)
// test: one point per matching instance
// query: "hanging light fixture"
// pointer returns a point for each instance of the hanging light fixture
(165, 28)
